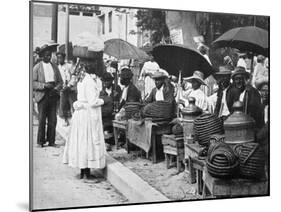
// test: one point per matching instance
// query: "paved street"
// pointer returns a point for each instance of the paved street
(56, 185)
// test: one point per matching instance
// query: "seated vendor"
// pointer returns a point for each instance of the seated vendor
(109, 94)
(130, 92)
(164, 90)
(196, 81)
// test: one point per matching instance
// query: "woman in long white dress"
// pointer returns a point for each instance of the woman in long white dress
(85, 147)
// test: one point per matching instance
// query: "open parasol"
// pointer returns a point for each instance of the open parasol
(250, 38)
(176, 57)
(121, 49)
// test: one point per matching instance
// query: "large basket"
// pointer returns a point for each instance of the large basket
(252, 160)
(83, 52)
(205, 126)
(222, 161)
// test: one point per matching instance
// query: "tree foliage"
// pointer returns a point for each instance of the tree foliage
(154, 21)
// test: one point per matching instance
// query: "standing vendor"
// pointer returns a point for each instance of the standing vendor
(217, 102)
(196, 81)
(241, 91)
(149, 68)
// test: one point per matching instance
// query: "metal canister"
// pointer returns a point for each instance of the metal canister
(189, 113)
(239, 127)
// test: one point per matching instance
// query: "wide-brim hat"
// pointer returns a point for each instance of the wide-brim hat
(197, 75)
(60, 53)
(126, 73)
(159, 75)
(240, 70)
(223, 71)
(241, 54)
(260, 82)
(50, 46)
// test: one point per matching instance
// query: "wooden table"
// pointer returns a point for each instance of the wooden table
(173, 146)
(157, 131)
(233, 187)
(117, 126)
(195, 165)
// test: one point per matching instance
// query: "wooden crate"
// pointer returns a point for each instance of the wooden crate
(173, 147)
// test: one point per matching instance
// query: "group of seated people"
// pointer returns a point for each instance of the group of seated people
(232, 86)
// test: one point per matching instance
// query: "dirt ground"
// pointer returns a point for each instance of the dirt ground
(55, 185)
(167, 181)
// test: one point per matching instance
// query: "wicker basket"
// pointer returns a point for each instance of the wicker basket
(82, 52)
(252, 160)
(222, 161)
(205, 126)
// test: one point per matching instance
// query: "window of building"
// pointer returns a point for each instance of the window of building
(102, 21)
(110, 21)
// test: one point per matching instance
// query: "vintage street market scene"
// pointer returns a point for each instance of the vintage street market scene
(133, 105)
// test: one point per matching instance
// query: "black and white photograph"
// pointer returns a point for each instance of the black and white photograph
(137, 105)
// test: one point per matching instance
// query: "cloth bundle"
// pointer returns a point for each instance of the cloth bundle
(159, 110)
(131, 108)
(177, 130)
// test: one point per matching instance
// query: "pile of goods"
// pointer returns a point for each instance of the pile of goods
(222, 162)
(252, 160)
(86, 45)
(159, 110)
(177, 130)
(206, 125)
(132, 109)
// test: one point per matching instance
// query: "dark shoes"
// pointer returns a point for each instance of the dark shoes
(53, 145)
(86, 173)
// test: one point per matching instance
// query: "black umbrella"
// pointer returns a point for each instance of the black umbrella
(175, 58)
(250, 38)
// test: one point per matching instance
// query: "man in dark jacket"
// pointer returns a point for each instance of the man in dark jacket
(164, 91)
(241, 91)
(47, 83)
(130, 92)
(109, 94)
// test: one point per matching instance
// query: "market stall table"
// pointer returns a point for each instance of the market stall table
(195, 165)
(117, 126)
(144, 134)
(233, 187)
(158, 130)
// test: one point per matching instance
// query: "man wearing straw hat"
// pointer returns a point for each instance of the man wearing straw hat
(196, 81)
(47, 83)
(217, 102)
(241, 91)
(163, 91)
